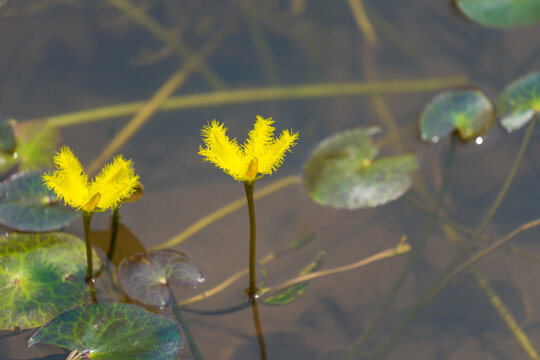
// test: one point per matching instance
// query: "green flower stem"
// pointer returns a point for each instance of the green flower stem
(114, 233)
(258, 328)
(252, 291)
(87, 219)
(189, 336)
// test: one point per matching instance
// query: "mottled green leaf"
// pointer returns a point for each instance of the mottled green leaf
(113, 331)
(7, 138)
(41, 276)
(343, 172)
(291, 293)
(501, 13)
(145, 277)
(468, 111)
(519, 102)
(27, 205)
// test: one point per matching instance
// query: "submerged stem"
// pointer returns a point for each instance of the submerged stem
(252, 291)
(87, 219)
(242, 96)
(416, 252)
(447, 275)
(258, 328)
(178, 315)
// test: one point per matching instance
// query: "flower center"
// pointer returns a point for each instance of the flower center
(253, 169)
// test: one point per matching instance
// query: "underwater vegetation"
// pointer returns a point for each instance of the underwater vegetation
(387, 234)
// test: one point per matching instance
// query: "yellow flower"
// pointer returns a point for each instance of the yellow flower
(111, 186)
(260, 154)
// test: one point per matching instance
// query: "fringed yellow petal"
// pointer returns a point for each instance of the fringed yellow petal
(275, 152)
(69, 182)
(220, 150)
(115, 182)
(260, 154)
(259, 138)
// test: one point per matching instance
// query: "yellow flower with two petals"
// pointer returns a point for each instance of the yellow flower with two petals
(115, 182)
(261, 153)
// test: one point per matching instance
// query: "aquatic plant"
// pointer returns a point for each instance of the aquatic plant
(261, 154)
(354, 166)
(116, 182)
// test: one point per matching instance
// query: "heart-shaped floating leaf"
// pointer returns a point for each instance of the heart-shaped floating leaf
(290, 294)
(7, 138)
(113, 331)
(501, 13)
(41, 276)
(27, 205)
(519, 102)
(145, 277)
(342, 172)
(468, 111)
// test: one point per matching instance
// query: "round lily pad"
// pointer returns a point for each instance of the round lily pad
(343, 172)
(501, 13)
(41, 276)
(113, 331)
(27, 205)
(145, 277)
(519, 102)
(469, 112)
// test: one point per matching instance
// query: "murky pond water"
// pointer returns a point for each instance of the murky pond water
(60, 57)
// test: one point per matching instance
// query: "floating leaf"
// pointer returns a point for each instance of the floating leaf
(342, 172)
(290, 294)
(519, 102)
(7, 138)
(145, 277)
(41, 276)
(27, 205)
(113, 331)
(501, 13)
(468, 111)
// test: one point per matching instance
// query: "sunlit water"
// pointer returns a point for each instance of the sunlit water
(62, 56)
